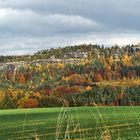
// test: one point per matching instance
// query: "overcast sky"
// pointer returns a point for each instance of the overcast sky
(30, 25)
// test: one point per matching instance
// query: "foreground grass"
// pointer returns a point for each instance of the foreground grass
(79, 123)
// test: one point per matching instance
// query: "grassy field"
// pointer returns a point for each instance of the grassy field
(79, 123)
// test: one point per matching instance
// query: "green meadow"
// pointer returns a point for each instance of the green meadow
(77, 123)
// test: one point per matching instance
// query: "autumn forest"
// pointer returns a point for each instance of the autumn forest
(80, 75)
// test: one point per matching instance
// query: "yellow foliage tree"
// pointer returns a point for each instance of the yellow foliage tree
(60, 66)
(39, 68)
(88, 88)
(110, 60)
(2, 95)
(126, 60)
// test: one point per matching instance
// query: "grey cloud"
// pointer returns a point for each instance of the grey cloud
(109, 12)
(29, 22)
(39, 24)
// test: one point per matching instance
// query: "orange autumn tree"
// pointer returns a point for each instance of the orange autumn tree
(66, 90)
(77, 79)
(28, 103)
(97, 77)
(21, 79)
(107, 73)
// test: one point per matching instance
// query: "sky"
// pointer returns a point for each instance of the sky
(27, 26)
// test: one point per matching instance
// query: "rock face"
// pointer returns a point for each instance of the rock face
(10, 71)
(10, 67)
(137, 47)
(79, 55)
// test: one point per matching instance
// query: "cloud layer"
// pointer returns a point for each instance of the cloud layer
(30, 25)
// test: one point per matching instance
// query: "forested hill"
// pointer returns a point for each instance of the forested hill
(71, 76)
(92, 51)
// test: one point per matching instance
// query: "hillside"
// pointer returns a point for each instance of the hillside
(71, 76)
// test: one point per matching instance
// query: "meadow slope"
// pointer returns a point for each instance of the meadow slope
(78, 123)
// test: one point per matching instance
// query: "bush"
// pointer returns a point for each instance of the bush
(28, 103)
(50, 101)
(8, 102)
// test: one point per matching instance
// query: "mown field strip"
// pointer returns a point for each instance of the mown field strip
(76, 131)
(44, 122)
(120, 126)
(82, 123)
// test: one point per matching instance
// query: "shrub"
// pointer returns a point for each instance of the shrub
(8, 102)
(50, 101)
(28, 103)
